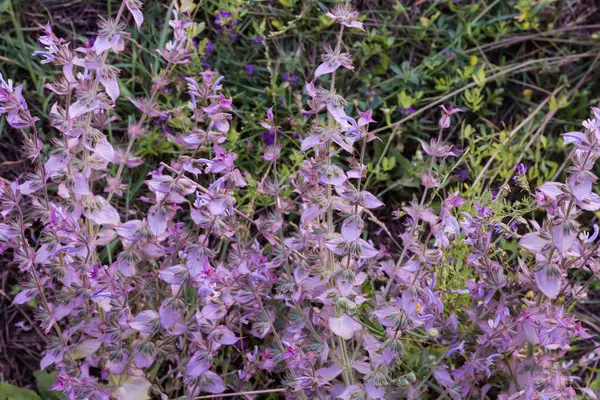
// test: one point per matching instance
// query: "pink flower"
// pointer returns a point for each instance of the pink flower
(365, 118)
(108, 78)
(135, 8)
(437, 149)
(322, 135)
(345, 16)
(446, 113)
(332, 175)
(429, 180)
(332, 60)
(272, 152)
(111, 35)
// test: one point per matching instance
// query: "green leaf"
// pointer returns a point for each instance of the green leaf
(479, 77)
(11, 392)
(468, 131)
(197, 29)
(384, 64)
(553, 104)
(125, 92)
(388, 163)
(405, 100)
(4, 5)
(187, 6)
(233, 135)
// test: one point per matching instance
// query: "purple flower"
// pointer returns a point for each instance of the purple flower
(483, 211)
(223, 18)
(332, 60)
(209, 47)
(227, 23)
(462, 175)
(436, 149)
(408, 111)
(268, 138)
(111, 35)
(521, 168)
(290, 78)
(250, 69)
(135, 8)
(345, 16)
(449, 53)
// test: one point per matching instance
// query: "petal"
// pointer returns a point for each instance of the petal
(581, 188)
(199, 363)
(325, 69)
(352, 228)
(310, 142)
(366, 250)
(564, 236)
(223, 335)
(442, 376)
(173, 275)
(574, 137)
(134, 388)
(409, 301)
(534, 242)
(340, 141)
(24, 296)
(128, 230)
(328, 374)
(157, 222)
(549, 281)
(101, 44)
(553, 189)
(56, 163)
(211, 312)
(105, 150)
(373, 391)
(344, 326)
(86, 348)
(68, 72)
(168, 315)
(368, 200)
(355, 24)
(137, 14)
(592, 203)
(212, 383)
(145, 321)
(111, 87)
(311, 213)
(103, 213)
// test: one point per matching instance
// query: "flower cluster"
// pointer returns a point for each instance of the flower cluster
(227, 24)
(186, 295)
